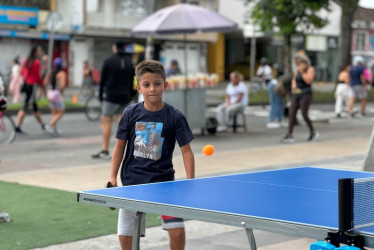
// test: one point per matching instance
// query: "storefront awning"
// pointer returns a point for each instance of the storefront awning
(32, 35)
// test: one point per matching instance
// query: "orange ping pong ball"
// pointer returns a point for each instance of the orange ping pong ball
(208, 150)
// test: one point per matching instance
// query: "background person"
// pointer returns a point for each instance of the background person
(277, 101)
(16, 81)
(58, 83)
(116, 92)
(148, 132)
(301, 96)
(358, 85)
(87, 82)
(264, 71)
(236, 99)
(43, 72)
(342, 90)
(32, 78)
(173, 69)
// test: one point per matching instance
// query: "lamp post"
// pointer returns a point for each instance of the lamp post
(54, 23)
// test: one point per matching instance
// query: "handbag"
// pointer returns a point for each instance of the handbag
(53, 95)
(23, 87)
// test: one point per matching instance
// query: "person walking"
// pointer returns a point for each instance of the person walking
(148, 131)
(358, 85)
(301, 97)
(236, 99)
(31, 78)
(57, 84)
(277, 93)
(16, 80)
(116, 91)
(342, 90)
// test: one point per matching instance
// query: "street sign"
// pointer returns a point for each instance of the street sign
(54, 21)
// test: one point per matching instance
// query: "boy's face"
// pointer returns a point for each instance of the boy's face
(152, 86)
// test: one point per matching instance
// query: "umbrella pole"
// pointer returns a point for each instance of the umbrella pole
(186, 75)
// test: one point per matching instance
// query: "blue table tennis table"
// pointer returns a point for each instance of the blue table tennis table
(300, 201)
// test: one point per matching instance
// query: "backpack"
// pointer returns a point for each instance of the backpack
(283, 86)
(279, 89)
(96, 75)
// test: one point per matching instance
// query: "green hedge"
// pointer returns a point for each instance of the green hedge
(262, 97)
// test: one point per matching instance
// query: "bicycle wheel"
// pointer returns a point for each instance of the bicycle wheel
(7, 129)
(93, 108)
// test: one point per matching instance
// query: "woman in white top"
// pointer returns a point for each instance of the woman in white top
(342, 90)
(236, 99)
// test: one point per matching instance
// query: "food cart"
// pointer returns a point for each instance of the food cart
(192, 100)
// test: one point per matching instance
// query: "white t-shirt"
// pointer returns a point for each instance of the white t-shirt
(234, 91)
(265, 72)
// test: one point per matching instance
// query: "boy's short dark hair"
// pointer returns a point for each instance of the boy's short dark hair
(149, 66)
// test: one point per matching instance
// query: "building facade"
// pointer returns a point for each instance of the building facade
(89, 28)
(363, 36)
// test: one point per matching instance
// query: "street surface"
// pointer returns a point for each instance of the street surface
(44, 160)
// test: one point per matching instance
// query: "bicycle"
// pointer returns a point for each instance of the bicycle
(7, 128)
(92, 107)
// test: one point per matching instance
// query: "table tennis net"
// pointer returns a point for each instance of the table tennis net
(363, 202)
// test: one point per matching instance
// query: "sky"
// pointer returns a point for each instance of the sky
(366, 4)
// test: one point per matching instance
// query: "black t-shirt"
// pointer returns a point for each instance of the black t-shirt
(117, 76)
(151, 138)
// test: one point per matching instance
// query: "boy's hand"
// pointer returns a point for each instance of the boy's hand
(113, 182)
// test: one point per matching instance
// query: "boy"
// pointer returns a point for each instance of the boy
(148, 130)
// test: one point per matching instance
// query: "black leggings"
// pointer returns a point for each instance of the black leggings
(302, 102)
(30, 90)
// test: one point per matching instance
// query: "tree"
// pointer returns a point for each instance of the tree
(287, 17)
(348, 9)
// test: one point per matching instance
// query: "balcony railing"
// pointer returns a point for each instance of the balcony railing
(114, 21)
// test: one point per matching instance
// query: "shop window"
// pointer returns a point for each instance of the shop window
(40, 4)
(361, 38)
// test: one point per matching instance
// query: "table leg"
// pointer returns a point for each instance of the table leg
(251, 238)
(136, 236)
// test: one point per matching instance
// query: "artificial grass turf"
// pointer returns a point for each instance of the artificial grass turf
(42, 217)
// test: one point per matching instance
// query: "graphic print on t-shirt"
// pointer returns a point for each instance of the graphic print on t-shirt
(148, 140)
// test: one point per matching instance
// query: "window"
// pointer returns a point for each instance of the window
(40, 4)
(361, 38)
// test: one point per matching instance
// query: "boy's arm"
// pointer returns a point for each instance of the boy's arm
(189, 161)
(117, 157)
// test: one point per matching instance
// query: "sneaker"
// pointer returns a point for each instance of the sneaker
(314, 136)
(273, 125)
(284, 125)
(4, 217)
(221, 128)
(19, 131)
(43, 126)
(288, 139)
(102, 154)
(50, 129)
